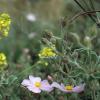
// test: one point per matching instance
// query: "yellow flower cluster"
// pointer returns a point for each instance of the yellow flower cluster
(3, 60)
(47, 52)
(5, 22)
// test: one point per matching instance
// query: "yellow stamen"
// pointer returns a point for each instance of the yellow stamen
(37, 84)
(69, 87)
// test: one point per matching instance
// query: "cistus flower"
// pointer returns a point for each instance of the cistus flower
(47, 52)
(69, 88)
(3, 60)
(5, 22)
(36, 85)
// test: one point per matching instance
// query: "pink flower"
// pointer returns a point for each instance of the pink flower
(35, 84)
(69, 88)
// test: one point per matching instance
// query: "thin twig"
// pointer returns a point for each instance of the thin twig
(82, 13)
(84, 10)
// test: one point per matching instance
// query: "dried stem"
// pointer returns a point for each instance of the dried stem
(84, 10)
(82, 13)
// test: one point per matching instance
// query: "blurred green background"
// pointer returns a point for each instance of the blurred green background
(30, 19)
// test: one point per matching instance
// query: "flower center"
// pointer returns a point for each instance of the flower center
(69, 87)
(37, 84)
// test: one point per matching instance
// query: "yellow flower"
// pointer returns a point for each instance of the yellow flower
(47, 52)
(3, 60)
(5, 22)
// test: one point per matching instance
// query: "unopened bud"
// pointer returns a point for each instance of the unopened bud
(50, 78)
(53, 40)
(87, 41)
(47, 34)
(44, 41)
(63, 22)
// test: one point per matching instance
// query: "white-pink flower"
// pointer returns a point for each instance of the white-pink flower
(35, 84)
(69, 88)
(31, 17)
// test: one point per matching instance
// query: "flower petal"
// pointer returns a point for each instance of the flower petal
(34, 89)
(31, 77)
(34, 79)
(46, 86)
(61, 87)
(25, 82)
(56, 85)
(79, 88)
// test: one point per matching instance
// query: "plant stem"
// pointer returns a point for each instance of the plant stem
(85, 10)
(82, 13)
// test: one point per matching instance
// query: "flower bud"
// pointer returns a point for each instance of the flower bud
(50, 78)
(48, 35)
(87, 42)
